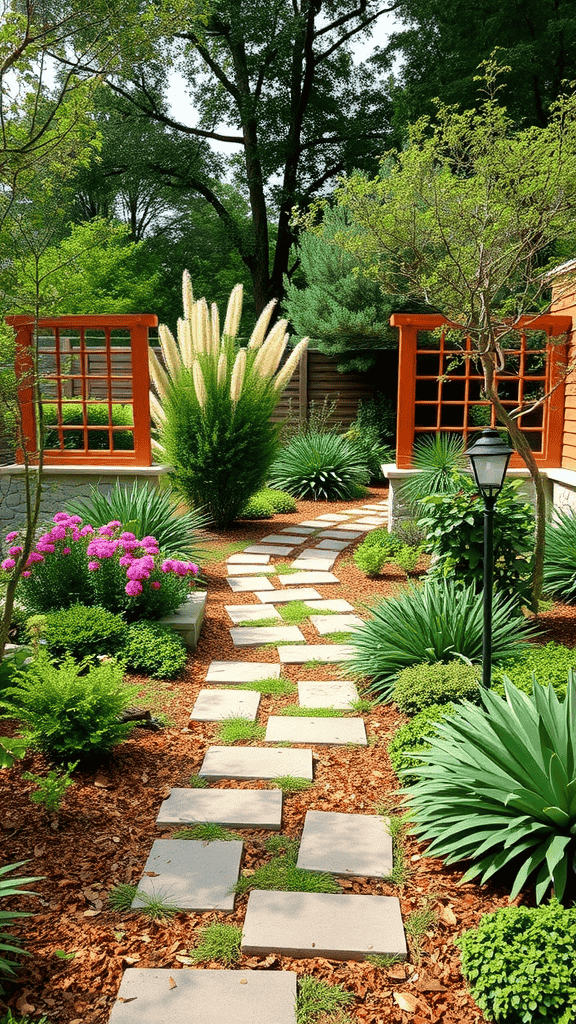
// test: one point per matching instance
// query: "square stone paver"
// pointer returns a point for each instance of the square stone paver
(241, 584)
(279, 538)
(297, 578)
(241, 671)
(190, 874)
(326, 624)
(341, 533)
(216, 705)
(244, 612)
(251, 570)
(269, 549)
(331, 545)
(170, 996)
(334, 604)
(314, 524)
(253, 636)
(312, 924)
(300, 528)
(332, 693)
(356, 526)
(281, 596)
(310, 564)
(335, 517)
(242, 559)
(256, 763)
(234, 808)
(299, 654)
(346, 844)
(282, 729)
(372, 520)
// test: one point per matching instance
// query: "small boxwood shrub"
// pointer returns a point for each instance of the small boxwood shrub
(419, 686)
(268, 502)
(83, 632)
(154, 650)
(378, 548)
(412, 738)
(520, 964)
(550, 663)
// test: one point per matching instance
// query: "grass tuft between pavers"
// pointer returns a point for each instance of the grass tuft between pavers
(207, 832)
(295, 711)
(281, 874)
(218, 942)
(233, 729)
(272, 687)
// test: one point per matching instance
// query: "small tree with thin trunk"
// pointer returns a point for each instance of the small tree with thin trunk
(469, 217)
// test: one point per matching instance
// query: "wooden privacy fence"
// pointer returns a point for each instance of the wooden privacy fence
(317, 380)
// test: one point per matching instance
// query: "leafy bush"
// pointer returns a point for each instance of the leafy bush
(520, 964)
(154, 650)
(407, 558)
(68, 715)
(11, 887)
(560, 556)
(370, 450)
(419, 686)
(51, 788)
(379, 414)
(215, 404)
(82, 632)
(436, 622)
(413, 737)
(497, 787)
(322, 467)
(378, 548)
(266, 503)
(72, 414)
(550, 663)
(454, 526)
(145, 511)
(440, 459)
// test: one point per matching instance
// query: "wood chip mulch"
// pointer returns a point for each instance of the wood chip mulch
(79, 948)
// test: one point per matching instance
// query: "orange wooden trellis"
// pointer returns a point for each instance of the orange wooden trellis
(87, 361)
(439, 384)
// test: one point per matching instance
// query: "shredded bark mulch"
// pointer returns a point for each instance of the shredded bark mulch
(79, 948)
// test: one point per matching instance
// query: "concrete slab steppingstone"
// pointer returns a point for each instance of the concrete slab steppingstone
(242, 559)
(282, 596)
(310, 564)
(241, 671)
(296, 579)
(300, 654)
(254, 636)
(354, 845)
(311, 924)
(269, 549)
(245, 612)
(340, 534)
(243, 584)
(256, 763)
(191, 874)
(334, 604)
(251, 570)
(217, 705)
(233, 808)
(279, 538)
(328, 731)
(170, 996)
(326, 624)
(331, 693)
(331, 545)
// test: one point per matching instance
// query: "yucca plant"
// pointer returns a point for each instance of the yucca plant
(12, 887)
(440, 460)
(437, 622)
(145, 511)
(326, 467)
(560, 556)
(497, 786)
(214, 402)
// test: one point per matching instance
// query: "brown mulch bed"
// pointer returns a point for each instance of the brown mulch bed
(107, 825)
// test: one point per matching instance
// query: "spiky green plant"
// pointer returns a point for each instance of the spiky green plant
(207, 832)
(291, 784)
(214, 402)
(440, 459)
(316, 998)
(497, 787)
(321, 467)
(218, 942)
(560, 556)
(281, 874)
(437, 622)
(12, 887)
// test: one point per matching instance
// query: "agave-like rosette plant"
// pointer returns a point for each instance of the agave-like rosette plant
(560, 556)
(498, 787)
(324, 467)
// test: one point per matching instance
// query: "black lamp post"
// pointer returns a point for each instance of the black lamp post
(489, 457)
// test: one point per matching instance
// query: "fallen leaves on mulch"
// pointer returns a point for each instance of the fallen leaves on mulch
(79, 948)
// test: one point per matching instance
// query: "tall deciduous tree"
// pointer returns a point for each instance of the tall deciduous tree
(463, 219)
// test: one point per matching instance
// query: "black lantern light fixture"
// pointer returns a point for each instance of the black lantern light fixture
(489, 457)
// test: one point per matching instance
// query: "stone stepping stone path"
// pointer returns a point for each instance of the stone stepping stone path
(256, 763)
(312, 924)
(242, 559)
(332, 693)
(300, 654)
(250, 570)
(331, 545)
(334, 518)
(336, 604)
(164, 996)
(281, 596)
(297, 578)
(233, 808)
(340, 534)
(270, 549)
(332, 731)
(301, 528)
(254, 636)
(217, 705)
(313, 563)
(278, 538)
(241, 584)
(244, 612)
(353, 845)
(241, 671)
(326, 624)
(190, 874)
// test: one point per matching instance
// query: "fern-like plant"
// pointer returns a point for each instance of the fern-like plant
(321, 467)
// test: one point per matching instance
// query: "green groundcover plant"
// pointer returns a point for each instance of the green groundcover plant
(414, 737)
(547, 663)
(267, 503)
(154, 650)
(419, 686)
(437, 622)
(320, 467)
(520, 964)
(497, 787)
(83, 632)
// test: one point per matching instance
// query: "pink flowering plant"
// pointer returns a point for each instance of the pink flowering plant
(109, 567)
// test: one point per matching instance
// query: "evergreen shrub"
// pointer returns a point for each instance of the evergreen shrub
(82, 631)
(154, 650)
(419, 686)
(413, 738)
(267, 503)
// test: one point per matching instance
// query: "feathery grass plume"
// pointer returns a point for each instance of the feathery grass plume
(199, 384)
(238, 375)
(269, 355)
(259, 332)
(234, 312)
(187, 295)
(156, 411)
(172, 360)
(159, 375)
(185, 343)
(215, 328)
(281, 379)
(222, 369)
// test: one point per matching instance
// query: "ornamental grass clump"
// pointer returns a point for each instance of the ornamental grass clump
(214, 401)
(320, 467)
(74, 564)
(560, 556)
(497, 788)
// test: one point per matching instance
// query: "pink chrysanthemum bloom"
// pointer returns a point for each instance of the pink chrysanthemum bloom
(16, 550)
(155, 584)
(8, 564)
(125, 561)
(11, 536)
(133, 588)
(58, 532)
(137, 571)
(45, 548)
(167, 565)
(62, 517)
(25, 573)
(34, 556)
(66, 551)
(149, 540)
(194, 569)
(93, 566)
(129, 536)
(86, 530)
(101, 548)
